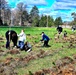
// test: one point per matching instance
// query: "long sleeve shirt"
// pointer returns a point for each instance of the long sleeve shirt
(45, 38)
(22, 36)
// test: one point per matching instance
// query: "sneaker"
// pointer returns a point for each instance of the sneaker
(48, 46)
(28, 50)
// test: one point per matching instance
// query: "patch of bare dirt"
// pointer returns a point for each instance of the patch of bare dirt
(64, 66)
(14, 51)
(71, 39)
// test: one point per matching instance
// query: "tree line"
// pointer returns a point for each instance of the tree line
(21, 17)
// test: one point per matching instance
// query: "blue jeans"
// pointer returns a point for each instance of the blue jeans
(20, 44)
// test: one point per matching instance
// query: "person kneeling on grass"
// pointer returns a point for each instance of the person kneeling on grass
(27, 47)
(46, 39)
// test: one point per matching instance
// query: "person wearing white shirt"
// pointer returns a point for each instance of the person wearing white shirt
(22, 38)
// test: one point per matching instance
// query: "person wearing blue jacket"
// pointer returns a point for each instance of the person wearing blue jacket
(46, 39)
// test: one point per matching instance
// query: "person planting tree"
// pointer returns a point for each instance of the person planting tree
(46, 39)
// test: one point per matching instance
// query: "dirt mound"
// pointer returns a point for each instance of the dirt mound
(64, 66)
(14, 51)
(23, 61)
(7, 70)
(1, 38)
(71, 39)
(1, 51)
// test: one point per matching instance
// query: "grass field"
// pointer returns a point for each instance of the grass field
(58, 49)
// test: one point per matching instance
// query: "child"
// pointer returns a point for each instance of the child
(27, 47)
(65, 34)
(46, 39)
(22, 38)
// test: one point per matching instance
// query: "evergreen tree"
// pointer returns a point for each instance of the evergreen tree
(74, 16)
(43, 21)
(34, 16)
(50, 21)
(58, 21)
(46, 20)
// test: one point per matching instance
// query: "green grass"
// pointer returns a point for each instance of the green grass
(56, 48)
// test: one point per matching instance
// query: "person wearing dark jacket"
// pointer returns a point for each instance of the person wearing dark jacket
(46, 39)
(11, 35)
(59, 29)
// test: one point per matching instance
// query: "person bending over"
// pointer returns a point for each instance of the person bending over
(46, 39)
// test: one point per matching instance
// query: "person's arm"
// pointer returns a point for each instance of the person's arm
(19, 35)
(42, 38)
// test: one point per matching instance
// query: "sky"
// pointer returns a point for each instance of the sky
(54, 8)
